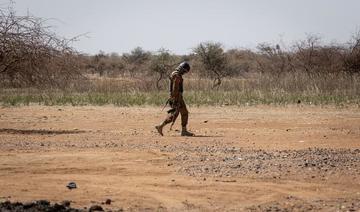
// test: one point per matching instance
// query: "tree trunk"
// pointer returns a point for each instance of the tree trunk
(158, 81)
(217, 80)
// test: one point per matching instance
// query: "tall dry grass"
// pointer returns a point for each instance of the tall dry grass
(290, 88)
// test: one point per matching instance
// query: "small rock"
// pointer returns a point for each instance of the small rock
(58, 207)
(108, 201)
(28, 205)
(43, 202)
(71, 185)
(66, 203)
(96, 208)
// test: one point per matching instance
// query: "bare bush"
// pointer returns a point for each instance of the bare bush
(274, 60)
(106, 64)
(135, 60)
(240, 62)
(32, 55)
(214, 61)
(98, 63)
(162, 63)
(352, 58)
(313, 58)
(308, 56)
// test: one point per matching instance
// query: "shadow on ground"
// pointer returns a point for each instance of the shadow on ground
(41, 131)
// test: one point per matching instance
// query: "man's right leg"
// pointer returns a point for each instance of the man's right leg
(168, 120)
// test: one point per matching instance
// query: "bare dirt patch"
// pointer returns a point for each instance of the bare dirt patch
(250, 159)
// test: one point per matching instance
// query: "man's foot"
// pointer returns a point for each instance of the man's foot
(186, 133)
(159, 129)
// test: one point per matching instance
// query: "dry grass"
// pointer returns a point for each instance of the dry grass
(338, 89)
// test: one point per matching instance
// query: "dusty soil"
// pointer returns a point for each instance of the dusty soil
(261, 158)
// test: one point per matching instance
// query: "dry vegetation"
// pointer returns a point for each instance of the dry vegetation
(262, 158)
(38, 66)
(31, 55)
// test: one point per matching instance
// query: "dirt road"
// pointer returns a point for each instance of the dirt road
(243, 158)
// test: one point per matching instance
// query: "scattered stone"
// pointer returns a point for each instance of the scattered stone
(108, 201)
(28, 205)
(43, 202)
(218, 161)
(71, 185)
(296, 204)
(41, 205)
(58, 207)
(96, 208)
(66, 203)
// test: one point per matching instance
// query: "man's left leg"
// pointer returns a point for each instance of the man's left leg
(170, 118)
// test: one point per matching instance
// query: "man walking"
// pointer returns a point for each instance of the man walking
(176, 100)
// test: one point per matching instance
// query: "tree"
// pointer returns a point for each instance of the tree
(136, 59)
(306, 51)
(213, 59)
(161, 63)
(98, 63)
(274, 60)
(352, 58)
(239, 62)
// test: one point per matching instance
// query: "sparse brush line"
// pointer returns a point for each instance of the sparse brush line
(193, 98)
(262, 89)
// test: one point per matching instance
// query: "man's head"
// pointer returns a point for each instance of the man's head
(183, 68)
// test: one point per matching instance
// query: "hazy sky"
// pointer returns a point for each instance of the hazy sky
(121, 25)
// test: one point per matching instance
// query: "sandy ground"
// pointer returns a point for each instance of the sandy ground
(242, 159)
